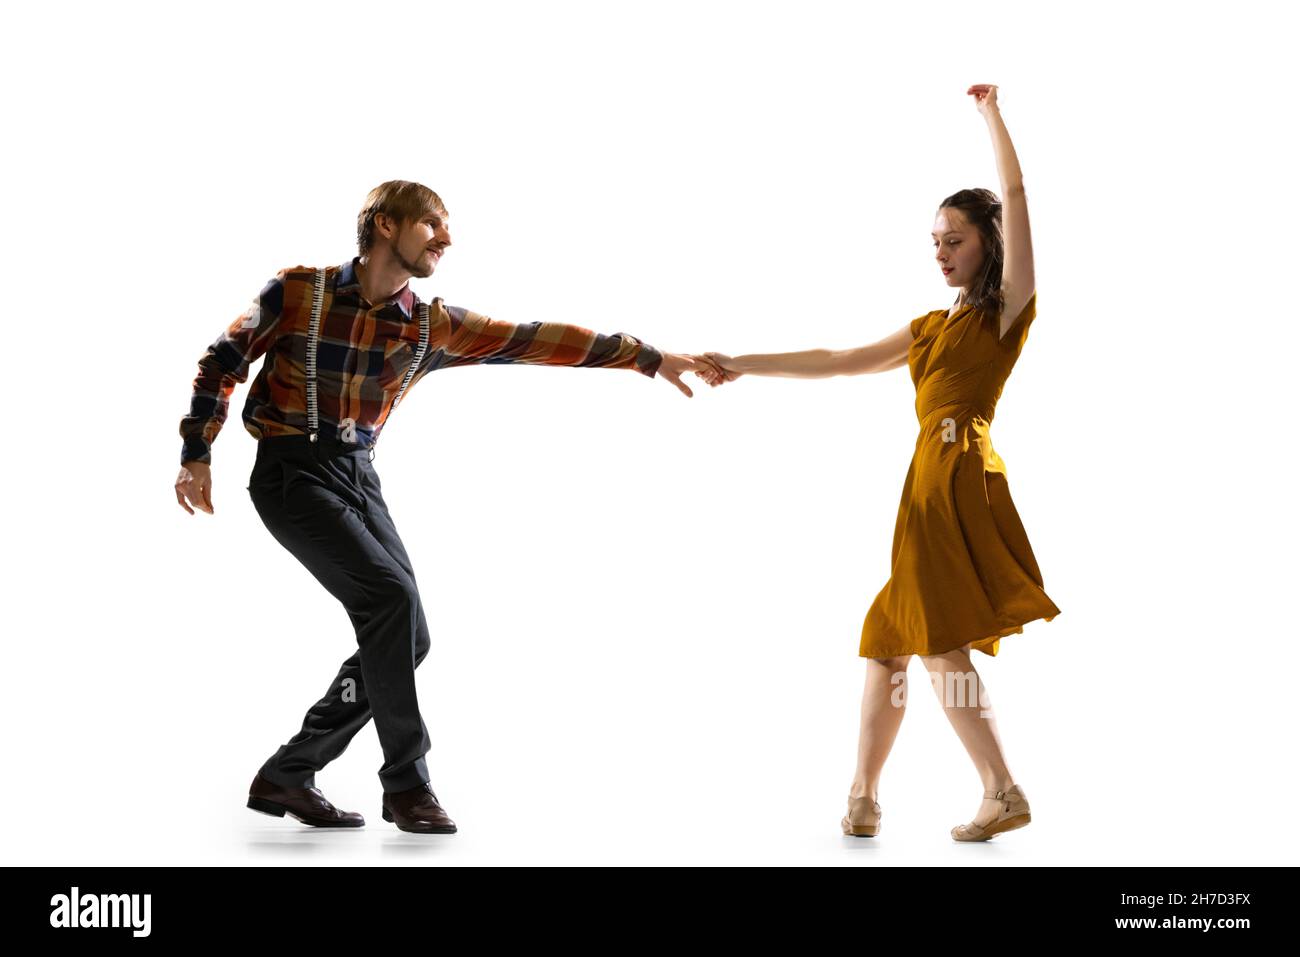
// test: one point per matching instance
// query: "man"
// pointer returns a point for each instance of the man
(343, 345)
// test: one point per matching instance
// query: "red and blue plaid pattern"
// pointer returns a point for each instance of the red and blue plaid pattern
(362, 356)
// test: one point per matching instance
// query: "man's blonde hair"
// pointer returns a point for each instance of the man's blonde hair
(400, 200)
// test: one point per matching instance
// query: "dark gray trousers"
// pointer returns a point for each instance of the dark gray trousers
(322, 501)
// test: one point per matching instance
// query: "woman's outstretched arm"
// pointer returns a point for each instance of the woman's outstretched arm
(1018, 264)
(888, 353)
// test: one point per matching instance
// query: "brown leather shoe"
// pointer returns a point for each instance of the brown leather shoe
(417, 810)
(306, 804)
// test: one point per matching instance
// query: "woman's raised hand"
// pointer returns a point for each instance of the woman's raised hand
(986, 97)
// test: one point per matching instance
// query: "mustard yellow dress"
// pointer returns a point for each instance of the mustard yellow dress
(961, 569)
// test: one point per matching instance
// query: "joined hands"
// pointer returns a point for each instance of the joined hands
(712, 367)
(715, 368)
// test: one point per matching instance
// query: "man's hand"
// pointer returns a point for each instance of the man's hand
(723, 368)
(195, 483)
(675, 364)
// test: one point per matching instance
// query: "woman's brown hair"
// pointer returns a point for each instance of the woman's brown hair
(983, 210)
(401, 201)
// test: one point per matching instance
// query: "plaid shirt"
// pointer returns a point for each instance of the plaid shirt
(363, 353)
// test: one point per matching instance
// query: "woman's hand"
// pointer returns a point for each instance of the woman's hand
(727, 369)
(986, 97)
(677, 364)
(708, 370)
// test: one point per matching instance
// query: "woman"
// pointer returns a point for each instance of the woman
(962, 572)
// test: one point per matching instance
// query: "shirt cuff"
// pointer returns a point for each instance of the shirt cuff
(648, 360)
(195, 449)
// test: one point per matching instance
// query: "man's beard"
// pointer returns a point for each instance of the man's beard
(414, 268)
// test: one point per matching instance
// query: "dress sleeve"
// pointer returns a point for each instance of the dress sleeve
(917, 323)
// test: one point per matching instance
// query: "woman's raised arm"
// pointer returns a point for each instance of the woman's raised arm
(1018, 262)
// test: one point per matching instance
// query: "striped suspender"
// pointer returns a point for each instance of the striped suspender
(313, 336)
(313, 333)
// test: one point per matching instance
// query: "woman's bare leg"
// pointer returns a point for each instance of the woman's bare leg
(965, 701)
(884, 698)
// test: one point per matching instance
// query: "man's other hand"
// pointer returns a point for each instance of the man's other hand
(195, 483)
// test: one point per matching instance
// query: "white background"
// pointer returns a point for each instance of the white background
(646, 609)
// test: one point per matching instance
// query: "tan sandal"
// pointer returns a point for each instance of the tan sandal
(1014, 813)
(863, 819)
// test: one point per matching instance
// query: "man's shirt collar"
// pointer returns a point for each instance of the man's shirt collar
(348, 281)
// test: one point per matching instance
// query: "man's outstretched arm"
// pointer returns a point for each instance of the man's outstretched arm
(474, 338)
